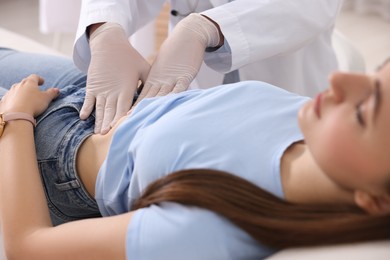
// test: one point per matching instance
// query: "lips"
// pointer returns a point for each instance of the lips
(317, 105)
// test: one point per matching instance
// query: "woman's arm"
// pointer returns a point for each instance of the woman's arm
(26, 225)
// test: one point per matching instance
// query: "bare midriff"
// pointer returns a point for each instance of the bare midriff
(91, 156)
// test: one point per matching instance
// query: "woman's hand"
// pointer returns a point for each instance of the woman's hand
(27, 97)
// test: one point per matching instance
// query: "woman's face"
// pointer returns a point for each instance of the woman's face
(347, 129)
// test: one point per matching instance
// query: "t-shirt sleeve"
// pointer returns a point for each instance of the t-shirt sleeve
(173, 231)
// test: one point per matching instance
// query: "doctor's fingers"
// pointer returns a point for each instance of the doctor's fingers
(162, 89)
(110, 110)
(99, 113)
(123, 105)
(156, 90)
(88, 105)
(165, 88)
(181, 85)
(148, 90)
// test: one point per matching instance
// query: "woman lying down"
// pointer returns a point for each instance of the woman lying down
(233, 172)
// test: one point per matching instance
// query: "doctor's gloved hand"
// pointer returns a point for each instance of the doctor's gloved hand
(181, 56)
(113, 75)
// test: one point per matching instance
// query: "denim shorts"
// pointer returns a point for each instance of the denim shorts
(59, 131)
(58, 136)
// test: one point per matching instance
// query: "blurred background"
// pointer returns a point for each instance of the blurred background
(53, 23)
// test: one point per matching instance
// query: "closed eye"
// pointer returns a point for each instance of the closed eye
(359, 115)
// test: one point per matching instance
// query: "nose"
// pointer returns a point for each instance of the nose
(348, 86)
(336, 87)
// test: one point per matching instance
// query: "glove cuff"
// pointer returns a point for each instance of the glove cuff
(104, 27)
(203, 27)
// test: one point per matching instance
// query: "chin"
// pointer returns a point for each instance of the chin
(304, 116)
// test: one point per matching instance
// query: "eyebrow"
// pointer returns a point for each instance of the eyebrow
(377, 97)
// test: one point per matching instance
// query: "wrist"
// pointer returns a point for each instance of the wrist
(7, 117)
(107, 35)
(108, 29)
(201, 28)
(92, 28)
(13, 116)
(220, 34)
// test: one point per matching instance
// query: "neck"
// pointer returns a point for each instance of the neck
(304, 182)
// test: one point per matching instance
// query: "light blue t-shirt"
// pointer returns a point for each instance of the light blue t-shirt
(241, 128)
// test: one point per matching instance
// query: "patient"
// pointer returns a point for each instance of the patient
(265, 169)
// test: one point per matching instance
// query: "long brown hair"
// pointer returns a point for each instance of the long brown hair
(268, 219)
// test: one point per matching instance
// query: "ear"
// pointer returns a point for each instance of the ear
(372, 204)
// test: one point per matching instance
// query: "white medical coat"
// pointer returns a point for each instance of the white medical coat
(283, 42)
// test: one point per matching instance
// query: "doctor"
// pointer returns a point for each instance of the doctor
(284, 42)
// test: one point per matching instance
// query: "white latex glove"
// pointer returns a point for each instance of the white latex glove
(180, 56)
(113, 75)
